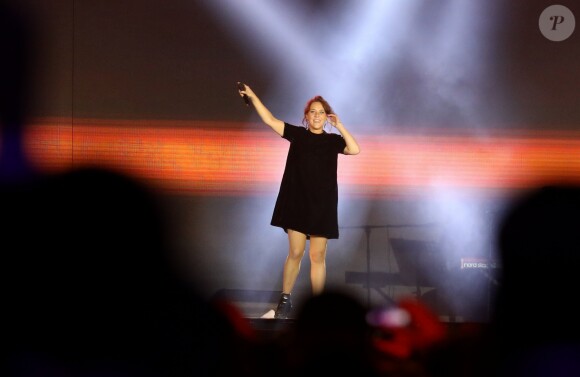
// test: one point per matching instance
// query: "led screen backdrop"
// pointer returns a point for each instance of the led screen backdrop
(198, 158)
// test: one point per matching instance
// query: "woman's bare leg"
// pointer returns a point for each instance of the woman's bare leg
(296, 249)
(317, 263)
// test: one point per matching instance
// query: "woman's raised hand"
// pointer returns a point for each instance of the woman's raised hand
(333, 118)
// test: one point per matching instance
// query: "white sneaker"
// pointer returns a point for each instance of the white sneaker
(269, 314)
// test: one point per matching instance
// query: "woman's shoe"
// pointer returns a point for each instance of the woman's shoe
(284, 306)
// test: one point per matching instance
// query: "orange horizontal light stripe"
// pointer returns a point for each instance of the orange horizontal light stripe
(223, 158)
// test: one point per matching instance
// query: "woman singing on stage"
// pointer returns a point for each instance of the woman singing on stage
(307, 203)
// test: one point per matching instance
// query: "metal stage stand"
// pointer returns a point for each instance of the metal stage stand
(368, 229)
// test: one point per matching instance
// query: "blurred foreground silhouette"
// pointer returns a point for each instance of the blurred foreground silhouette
(535, 326)
(89, 285)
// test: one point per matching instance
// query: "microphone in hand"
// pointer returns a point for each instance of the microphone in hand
(242, 86)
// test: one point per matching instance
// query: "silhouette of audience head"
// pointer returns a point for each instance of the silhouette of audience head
(90, 284)
(536, 315)
(539, 246)
(331, 335)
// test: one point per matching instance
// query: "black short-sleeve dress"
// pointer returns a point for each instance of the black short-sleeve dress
(308, 196)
